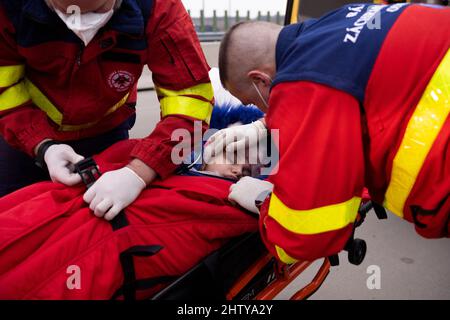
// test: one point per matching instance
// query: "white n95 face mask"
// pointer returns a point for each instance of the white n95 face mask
(85, 25)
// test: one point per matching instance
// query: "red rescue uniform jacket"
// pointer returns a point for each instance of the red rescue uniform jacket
(51, 86)
(359, 106)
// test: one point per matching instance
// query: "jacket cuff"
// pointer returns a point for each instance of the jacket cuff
(31, 137)
(156, 156)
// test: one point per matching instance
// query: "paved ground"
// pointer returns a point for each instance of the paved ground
(411, 267)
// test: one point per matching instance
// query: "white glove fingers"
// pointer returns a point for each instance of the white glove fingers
(232, 197)
(259, 125)
(215, 136)
(69, 179)
(114, 191)
(57, 158)
(213, 146)
(113, 212)
(95, 202)
(219, 144)
(89, 194)
(73, 157)
(246, 191)
(237, 150)
(102, 208)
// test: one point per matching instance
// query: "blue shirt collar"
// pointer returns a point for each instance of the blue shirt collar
(286, 37)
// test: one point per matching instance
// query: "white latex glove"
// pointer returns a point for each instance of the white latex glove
(234, 139)
(113, 192)
(246, 191)
(58, 157)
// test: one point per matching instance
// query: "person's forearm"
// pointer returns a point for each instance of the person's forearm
(142, 170)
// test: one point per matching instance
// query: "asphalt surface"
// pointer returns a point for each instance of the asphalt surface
(410, 267)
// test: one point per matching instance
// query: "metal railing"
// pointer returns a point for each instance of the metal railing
(210, 36)
(214, 27)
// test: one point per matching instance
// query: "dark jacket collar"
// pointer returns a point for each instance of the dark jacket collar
(127, 19)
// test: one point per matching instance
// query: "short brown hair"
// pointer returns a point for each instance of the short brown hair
(223, 56)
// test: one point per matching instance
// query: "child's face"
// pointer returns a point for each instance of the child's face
(227, 169)
(230, 171)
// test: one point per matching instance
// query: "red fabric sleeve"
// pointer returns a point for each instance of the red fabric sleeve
(321, 162)
(23, 126)
(177, 62)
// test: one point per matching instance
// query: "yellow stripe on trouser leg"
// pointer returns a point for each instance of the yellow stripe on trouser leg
(10, 75)
(13, 97)
(314, 221)
(187, 106)
(284, 257)
(424, 126)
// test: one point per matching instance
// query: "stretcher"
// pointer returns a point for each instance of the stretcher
(243, 269)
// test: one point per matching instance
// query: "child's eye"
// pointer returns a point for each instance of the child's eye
(246, 172)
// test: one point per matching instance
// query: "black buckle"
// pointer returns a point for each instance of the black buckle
(88, 170)
(380, 211)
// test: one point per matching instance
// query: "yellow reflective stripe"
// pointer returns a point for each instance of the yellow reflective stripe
(10, 75)
(68, 127)
(423, 127)
(295, 11)
(284, 257)
(187, 106)
(118, 104)
(43, 103)
(314, 221)
(204, 90)
(13, 97)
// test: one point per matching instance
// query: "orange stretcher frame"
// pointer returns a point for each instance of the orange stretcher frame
(284, 276)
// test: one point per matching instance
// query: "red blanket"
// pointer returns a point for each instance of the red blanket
(53, 247)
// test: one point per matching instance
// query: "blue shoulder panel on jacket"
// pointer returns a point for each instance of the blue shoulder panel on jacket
(338, 49)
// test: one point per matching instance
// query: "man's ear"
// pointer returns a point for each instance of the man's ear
(257, 77)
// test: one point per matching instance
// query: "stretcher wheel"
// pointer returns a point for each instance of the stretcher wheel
(357, 252)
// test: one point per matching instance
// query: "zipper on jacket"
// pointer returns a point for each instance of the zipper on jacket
(79, 55)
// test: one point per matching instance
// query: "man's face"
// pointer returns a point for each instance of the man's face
(247, 97)
(98, 6)
(256, 92)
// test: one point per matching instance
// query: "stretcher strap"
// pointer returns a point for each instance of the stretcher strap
(130, 283)
(128, 289)
(89, 172)
(119, 222)
(144, 284)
